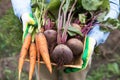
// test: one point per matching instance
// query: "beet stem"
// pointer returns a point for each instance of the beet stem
(64, 35)
(59, 23)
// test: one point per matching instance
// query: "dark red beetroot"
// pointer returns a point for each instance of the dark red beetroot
(62, 55)
(51, 36)
(75, 45)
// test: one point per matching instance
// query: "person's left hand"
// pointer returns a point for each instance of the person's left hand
(27, 21)
(93, 39)
(89, 45)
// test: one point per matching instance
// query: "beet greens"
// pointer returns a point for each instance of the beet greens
(64, 18)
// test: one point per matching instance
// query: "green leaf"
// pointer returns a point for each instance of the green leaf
(34, 5)
(66, 6)
(101, 16)
(110, 24)
(53, 5)
(71, 33)
(91, 4)
(74, 30)
(82, 18)
(114, 68)
(105, 5)
(79, 2)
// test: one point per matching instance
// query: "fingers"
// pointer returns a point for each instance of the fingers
(24, 26)
(27, 21)
(32, 20)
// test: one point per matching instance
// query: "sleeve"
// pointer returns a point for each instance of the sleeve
(114, 9)
(21, 6)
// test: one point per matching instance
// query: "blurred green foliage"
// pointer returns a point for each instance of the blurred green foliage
(109, 71)
(10, 34)
(8, 75)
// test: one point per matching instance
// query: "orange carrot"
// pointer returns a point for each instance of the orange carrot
(32, 53)
(23, 53)
(38, 55)
(43, 48)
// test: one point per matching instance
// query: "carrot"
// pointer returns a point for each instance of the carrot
(23, 53)
(43, 48)
(32, 53)
(38, 54)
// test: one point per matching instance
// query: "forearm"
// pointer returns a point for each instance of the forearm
(21, 6)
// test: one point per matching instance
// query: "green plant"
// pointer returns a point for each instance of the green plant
(8, 74)
(105, 72)
(10, 34)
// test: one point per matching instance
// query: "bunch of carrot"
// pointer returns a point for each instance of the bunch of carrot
(34, 45)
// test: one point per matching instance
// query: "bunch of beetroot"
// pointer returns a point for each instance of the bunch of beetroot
(64, 36)
(65, 25)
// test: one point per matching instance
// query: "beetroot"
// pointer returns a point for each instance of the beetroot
(75, 45)
(62, 55)
(51, 36)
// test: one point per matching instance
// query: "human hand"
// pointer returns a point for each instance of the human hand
(94, 38)
(89, 45)
(27, 21)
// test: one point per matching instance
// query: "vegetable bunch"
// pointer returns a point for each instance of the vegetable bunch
(62, 27)
(35, 45)
(74, 19)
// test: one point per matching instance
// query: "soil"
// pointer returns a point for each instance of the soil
(107, 50)
(4, 6)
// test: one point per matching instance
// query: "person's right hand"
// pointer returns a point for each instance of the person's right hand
(27, 21)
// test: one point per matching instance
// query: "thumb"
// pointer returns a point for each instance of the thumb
(25, 30)
(24, 26)
(32, 20)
